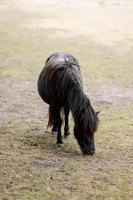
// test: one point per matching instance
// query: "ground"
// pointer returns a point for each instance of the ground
(100, 35)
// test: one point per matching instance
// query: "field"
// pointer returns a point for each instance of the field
(100, 34)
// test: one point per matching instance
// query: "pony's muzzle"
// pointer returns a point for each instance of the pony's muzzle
(87, 151)
(91, 152)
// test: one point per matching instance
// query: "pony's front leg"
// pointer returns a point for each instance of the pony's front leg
(66, 128)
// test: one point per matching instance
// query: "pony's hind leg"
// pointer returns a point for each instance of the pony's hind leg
(54, 128)
(66, 127)
(58, 122)
(52, 121)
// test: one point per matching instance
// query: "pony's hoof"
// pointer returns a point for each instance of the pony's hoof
(59, 145)
(54, 132)
(66, 135)
(59, 142)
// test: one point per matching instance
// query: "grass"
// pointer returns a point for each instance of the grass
(31, 165)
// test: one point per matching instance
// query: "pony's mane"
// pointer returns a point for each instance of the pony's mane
(80, 105)
(83, 113)
(89, 118)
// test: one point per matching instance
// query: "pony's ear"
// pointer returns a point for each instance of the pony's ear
(97, 113)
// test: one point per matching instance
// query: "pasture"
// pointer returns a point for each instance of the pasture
(100, 35)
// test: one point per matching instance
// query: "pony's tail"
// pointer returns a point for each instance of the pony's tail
(51, 116)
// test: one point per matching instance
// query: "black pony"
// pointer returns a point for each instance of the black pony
(60, 85)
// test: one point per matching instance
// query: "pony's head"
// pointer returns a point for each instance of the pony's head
(84, 132)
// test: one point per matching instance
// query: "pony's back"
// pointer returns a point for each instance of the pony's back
(59, 75)
(57, 58)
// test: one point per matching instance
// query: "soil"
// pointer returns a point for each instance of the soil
(32, 166)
